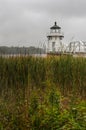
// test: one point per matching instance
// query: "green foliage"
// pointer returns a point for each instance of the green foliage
(34, 104)
(43, 115)
(54, 98)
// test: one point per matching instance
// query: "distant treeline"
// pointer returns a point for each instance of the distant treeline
(20, 50)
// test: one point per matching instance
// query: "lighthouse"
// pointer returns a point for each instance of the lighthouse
(55, 37)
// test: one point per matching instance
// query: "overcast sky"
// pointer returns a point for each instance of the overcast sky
(26, 22)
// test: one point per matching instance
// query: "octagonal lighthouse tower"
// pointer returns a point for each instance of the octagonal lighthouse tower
(55, 37)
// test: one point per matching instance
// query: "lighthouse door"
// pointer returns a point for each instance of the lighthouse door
(53, 46)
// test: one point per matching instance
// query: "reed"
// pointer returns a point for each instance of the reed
(67, 73)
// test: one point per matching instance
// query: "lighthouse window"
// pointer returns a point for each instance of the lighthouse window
(53, 46)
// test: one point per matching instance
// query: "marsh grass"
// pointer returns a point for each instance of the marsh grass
(42, 93)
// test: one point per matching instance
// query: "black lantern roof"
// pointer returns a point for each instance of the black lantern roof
(55, 26)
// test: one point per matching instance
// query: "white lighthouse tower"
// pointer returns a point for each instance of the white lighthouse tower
(54, 40)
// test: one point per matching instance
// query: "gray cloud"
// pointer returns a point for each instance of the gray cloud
(29, 20)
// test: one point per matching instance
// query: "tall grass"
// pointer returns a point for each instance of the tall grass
(67, 73)
(29, 97)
